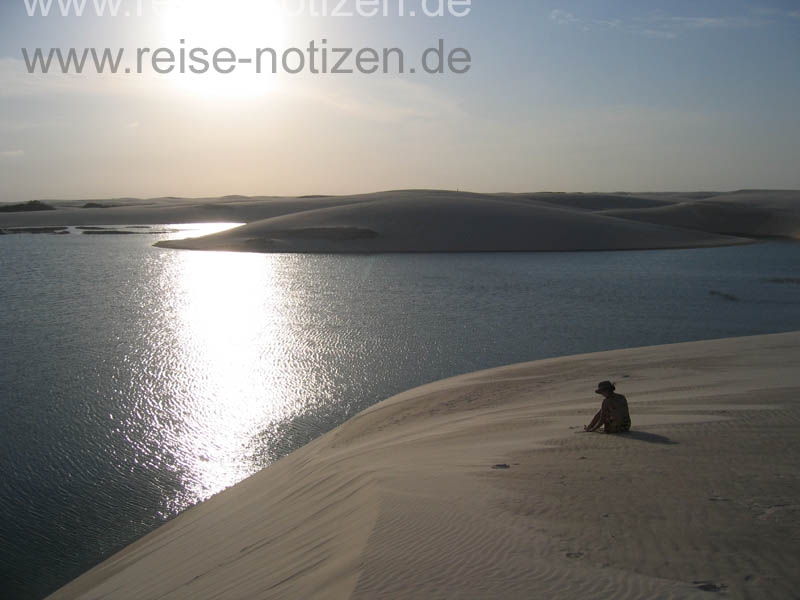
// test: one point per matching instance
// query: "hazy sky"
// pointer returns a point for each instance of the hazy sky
(571, 96)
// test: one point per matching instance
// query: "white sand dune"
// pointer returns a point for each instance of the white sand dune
(597, 202)
(161, 211)
(447, 222)
(750, 213)
(723, 218)
(782, 200)
(402, 501)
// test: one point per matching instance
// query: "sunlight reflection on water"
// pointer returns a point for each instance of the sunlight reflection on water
(229, 313)
(209, 367)
(237, 365)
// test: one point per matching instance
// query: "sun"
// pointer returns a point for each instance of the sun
(196, 30)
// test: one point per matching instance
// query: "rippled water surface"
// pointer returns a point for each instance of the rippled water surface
(136, 381)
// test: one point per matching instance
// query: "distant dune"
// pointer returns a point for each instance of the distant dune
(32, 206)
(750, 214)
(447, 221)
(597, 202)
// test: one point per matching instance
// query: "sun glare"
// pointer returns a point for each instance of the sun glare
(196, 30)
(229, 311)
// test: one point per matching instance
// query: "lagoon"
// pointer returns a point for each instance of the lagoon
(137, 381)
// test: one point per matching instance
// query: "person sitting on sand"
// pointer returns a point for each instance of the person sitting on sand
(613, 414)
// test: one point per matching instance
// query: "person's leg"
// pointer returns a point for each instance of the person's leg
(611, 427)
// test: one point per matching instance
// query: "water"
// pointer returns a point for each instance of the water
(136, 381)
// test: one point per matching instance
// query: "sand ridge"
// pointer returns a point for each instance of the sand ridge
(402, 501)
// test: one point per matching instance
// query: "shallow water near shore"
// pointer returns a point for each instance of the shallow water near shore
(137, 381)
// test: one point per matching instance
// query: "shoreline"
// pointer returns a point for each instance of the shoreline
(403, 501)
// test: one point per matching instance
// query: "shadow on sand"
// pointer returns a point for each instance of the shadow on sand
(644, 436)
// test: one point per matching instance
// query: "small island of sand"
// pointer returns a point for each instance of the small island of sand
(440, 221)
(485, 486)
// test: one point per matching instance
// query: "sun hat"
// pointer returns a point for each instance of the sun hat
(603, 386)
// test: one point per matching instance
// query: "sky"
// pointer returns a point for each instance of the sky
(577, 95)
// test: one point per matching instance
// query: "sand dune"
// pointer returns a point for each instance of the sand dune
(596, 202)
(749, 213)
(723, 218)
(403, 501)
(162, 211)
(781, 199)
(447, 222)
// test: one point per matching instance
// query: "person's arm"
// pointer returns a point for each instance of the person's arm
(601, 417)
(594, 425)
